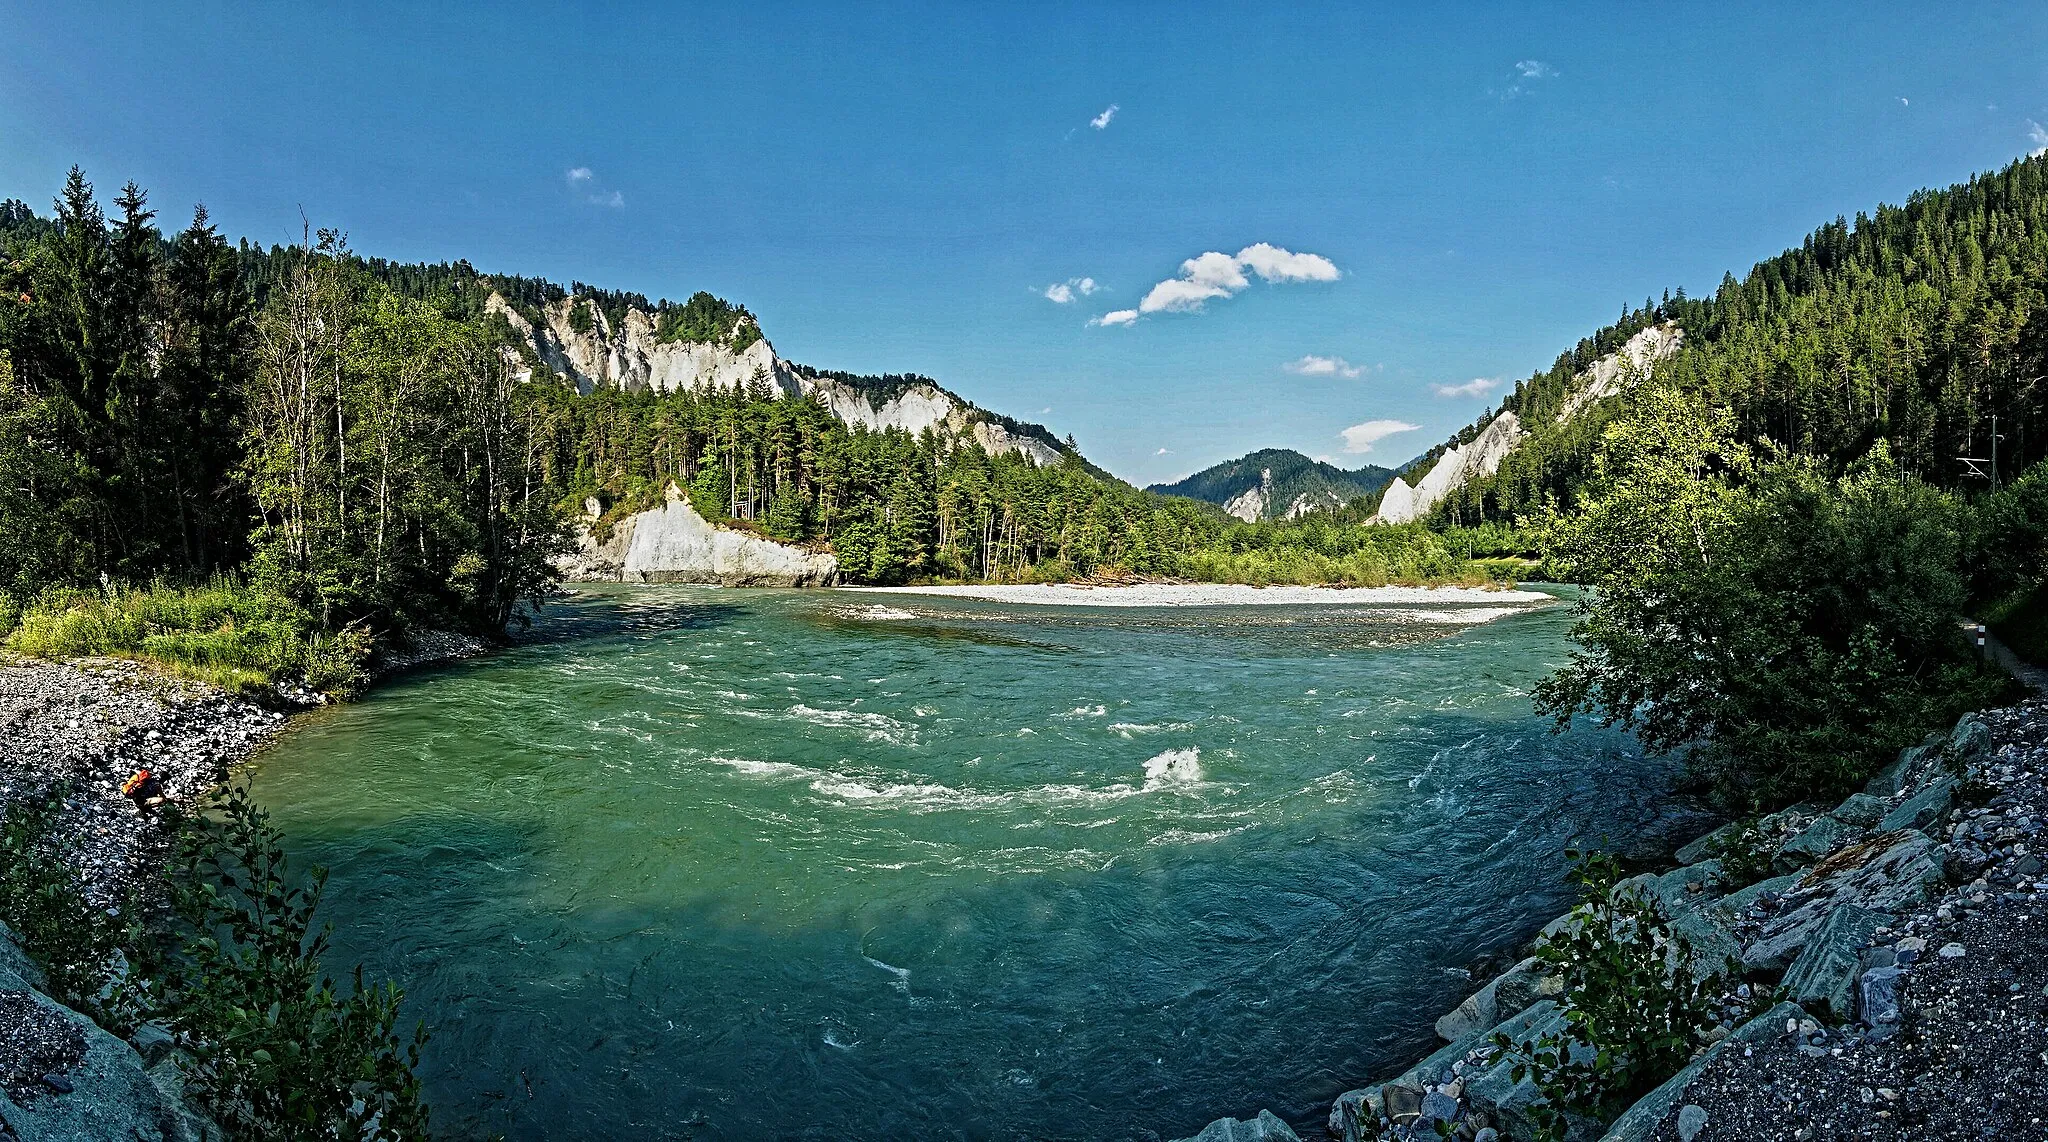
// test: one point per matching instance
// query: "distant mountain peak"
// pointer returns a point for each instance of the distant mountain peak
(1277, 483)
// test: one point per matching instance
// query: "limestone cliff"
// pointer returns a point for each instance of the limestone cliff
(1405, 502)
(674, 544)
(630, 355)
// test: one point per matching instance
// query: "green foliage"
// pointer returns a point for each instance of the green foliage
(1634, 1010)
(1789, 630)
(225, 633)
(76, 941)
(708, 320)
(1746, 852)
(276, 1048)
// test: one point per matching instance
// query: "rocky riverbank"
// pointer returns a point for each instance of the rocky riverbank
(1889, 956)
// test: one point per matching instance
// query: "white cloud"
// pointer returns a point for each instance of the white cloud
(1063, 292)
(1534, 69)
(614, 200)
(1360, 438)
(1905, 102)
(578, 174)
(1164, 452)
(1476, 387)
(1102, 120)
(1212, 275)
(1277, 265)
(1311, 365)
(2037, 135)
(584, 179)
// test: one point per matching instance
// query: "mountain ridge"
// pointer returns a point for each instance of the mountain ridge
(1277, 483)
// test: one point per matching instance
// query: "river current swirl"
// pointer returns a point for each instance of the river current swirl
(691, 863)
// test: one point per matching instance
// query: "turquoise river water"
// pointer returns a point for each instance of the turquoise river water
(692, 863)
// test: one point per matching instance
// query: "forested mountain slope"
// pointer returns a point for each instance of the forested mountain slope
(1277, 483)
(1916, 325)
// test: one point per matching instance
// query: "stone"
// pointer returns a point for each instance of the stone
(1703, 847)
(110, 1095)
(1487, 1135)
(1509, 993)
(13, 959)
(1640, 1121)
(1970, 740)
(1861, 810)
(1692, 1118)
(1493, 1097)
(674, 544)
(1437, 1107)
(152, 1041)
(1951, 951)
(1267, 1127)
(1900, 775)
(1355, 1114)
(1711, 943)
(1823, 978)
(1921, 809)
(1816, 841)
(1877, 997)
(1734, 904)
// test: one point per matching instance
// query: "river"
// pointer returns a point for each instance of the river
(692, 863)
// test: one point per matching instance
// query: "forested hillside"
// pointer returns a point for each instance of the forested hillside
(1278, 483)
(1915, 324)
(345, 447)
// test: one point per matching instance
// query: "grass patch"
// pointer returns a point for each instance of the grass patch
(223, 633)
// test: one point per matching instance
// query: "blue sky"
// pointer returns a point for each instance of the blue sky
(897, 188)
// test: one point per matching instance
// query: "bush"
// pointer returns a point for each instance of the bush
(77, 942)
(277, 1049)
(1634, 1011)
(1787, 628)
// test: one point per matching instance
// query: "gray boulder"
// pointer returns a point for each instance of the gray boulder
(1711, 943)
(1267, 1127)
(1906, 772)
(1823, 978)
(1638, 1122)
(1922, 809)
(1702, 848)
(1816, 841)
(1970, 740)
(1877, 998)
(1509, 993)
(1861, 810)
(1351, 1113)
(1735, 903)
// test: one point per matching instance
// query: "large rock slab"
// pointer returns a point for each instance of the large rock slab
(1507, 994)
(1921, 810)
(1823, 978)
(1267, 1127)
(112, 1097)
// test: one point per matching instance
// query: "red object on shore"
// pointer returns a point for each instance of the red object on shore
(134, 783)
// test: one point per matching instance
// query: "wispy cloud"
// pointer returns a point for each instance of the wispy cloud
(583, 180)
(1528, 72)
(1476, 387)
(1061, 293)
(1102, 120)
(1360, 438)
(1905, 102)
(2037, 135)
(1311, 365)
(1164, 452)
(1211, 275)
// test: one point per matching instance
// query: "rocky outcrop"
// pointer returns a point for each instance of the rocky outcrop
(64, 1079)
(1873, 885)
(1453, 470)
(1461, 464)
(631, 356)
(674, 544)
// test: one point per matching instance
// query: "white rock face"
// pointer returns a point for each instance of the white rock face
(674, 544)
(1481, 457)
(631, 357)
(1616, 371)
(1250, 504)
(1404, 502)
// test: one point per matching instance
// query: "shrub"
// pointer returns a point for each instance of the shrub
(1634, 1010)
(276, 1047)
